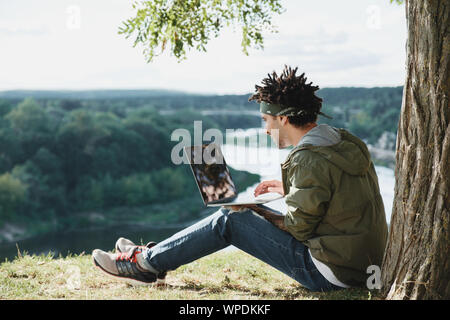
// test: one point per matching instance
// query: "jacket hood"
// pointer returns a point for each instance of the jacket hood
(321, 135)
(349, 154)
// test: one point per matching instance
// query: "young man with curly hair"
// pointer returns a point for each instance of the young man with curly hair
(335, 225)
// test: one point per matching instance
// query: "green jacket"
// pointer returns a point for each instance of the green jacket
(335, 207)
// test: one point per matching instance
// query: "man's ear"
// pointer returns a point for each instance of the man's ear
(284, 120)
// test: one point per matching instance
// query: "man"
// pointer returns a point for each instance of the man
(335, 225)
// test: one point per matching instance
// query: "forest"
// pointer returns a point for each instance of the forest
(63, 153)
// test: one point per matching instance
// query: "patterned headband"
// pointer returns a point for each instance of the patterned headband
(281, 110)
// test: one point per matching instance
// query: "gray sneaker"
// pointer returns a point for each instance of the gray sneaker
(125, 245)
(123, 265)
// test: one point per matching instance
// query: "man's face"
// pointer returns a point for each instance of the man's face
(275, 127)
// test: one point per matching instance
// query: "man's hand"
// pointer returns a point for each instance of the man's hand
(276, 219)
(269, 186)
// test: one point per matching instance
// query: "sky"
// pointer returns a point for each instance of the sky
(75, 45)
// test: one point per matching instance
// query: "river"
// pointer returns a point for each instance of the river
(263, 161)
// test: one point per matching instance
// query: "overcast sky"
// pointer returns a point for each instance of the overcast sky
(44, 45)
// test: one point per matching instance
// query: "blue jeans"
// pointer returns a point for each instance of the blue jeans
(247, 231)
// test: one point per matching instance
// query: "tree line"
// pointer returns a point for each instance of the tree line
(60, 154)
(57, 160)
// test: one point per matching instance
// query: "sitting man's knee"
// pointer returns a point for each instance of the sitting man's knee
(228, 212)
(224, 210)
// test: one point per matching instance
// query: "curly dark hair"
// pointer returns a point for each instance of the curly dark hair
(291, 91)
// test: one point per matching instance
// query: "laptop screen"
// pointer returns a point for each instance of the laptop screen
(211, 173)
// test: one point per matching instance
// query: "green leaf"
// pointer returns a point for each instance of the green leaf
(191, 23)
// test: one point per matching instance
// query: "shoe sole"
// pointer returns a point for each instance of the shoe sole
(129, 280)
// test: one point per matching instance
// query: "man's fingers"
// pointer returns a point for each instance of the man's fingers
(261, 188)
(268, 186)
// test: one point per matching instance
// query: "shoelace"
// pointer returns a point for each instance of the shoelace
(128, 256)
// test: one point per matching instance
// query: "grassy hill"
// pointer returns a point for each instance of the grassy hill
(229, 274)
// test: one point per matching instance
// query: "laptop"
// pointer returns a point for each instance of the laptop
(214, 180)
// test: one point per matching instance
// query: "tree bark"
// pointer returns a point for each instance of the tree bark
(416, 262)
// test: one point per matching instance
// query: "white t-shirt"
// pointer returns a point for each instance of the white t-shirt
(326, 272)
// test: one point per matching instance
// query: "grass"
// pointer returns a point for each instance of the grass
(222, 275)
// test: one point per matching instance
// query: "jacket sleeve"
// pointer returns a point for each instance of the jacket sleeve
(308, 199)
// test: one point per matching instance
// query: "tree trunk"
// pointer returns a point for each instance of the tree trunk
(416, 263)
